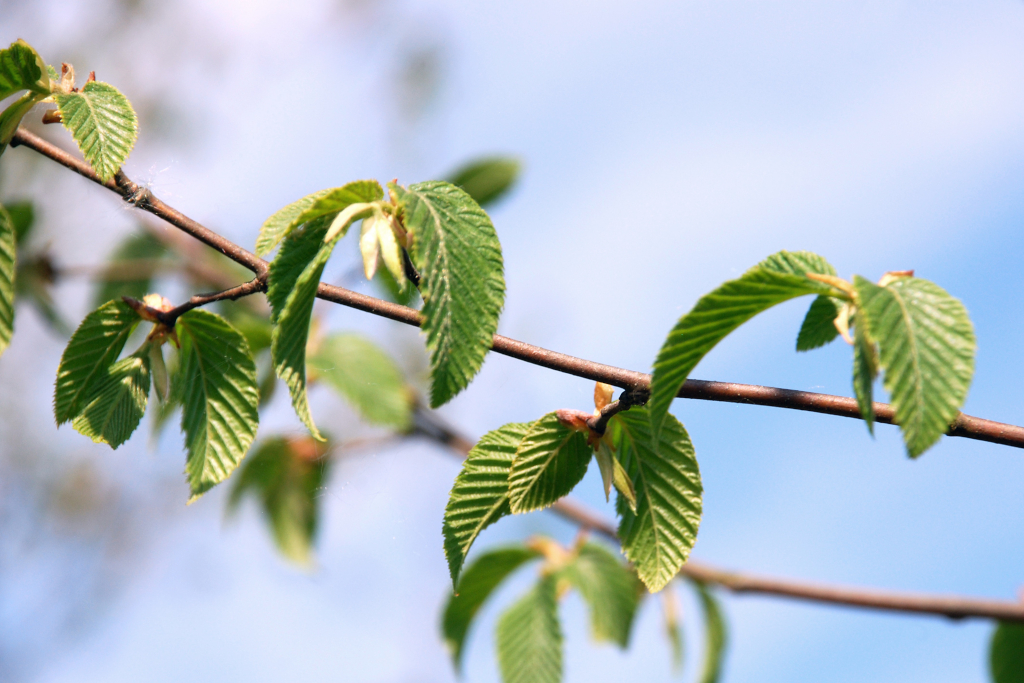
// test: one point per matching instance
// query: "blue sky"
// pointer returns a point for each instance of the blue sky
(667, 147)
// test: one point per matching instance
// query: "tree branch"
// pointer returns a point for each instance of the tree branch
(964, 425)
(954, 607)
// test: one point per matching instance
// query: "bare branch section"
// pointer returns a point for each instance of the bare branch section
(964, 425)
(951, 606)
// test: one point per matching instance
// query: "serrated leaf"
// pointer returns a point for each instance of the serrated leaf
(778, 278)
(487, 180)
(103, 124)
(93, 348)
(12, 116)
(219, 398)
(1006, 653)
(657, 538)
(291, 331)
(457, 253)
(818, 328)
(8, 268)
(479, 496)
(131, 268)
(286, 476)
(865, 370)
(367, 376)
(926, 346)
(310, 207)
(476, 585)
(550, 461)
(21, 68)
(116, 401)
(529, 638)
(611, 591)
(714, 635)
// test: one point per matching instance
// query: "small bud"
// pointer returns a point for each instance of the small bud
(390, 251)
(346, 217)
(892, 275)
(573, 419)
(602, 396)
(158, 369)
(369, 246)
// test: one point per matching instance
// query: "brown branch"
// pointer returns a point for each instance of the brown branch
(964, 425)
(954, 607)
(257, 284)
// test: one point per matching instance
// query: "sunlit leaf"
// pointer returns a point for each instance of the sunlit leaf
(21, 68)
(11, 117)
(551, 460)
(529, 637)
(865, 370)
(610, 589)
(818, 329)
(487, 180)
(116, 401)
(103, 124)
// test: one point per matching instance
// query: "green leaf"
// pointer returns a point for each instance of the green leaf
(116, 401)
(657, 538)
(103, 124)
(487, 180)
(12, 116)
(316, 205)
(1006, 653)
(390, 290)
(367, 376)
(865, 370)
(610, 589)
(778, 278)
(291, 331)
(286, 476)
(8, 268)
(529, 638)
(23, 215)
(818, 329)
(219, 397)
(551, 460)
(131, 268)
(673, 629)
(714, 635)
(926, 347)
(477, 583)
(456, 250)
(93, 348)
(479, 496)
(21, 68)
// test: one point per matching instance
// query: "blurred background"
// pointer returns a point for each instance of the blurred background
(667, 147)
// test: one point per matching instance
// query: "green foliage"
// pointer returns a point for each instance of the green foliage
(21, 68)
(310, 207)
(367, 376)
(456, 250)
(865, 370)
(219, 398)
(714, 635)
(529, 637)
(1006, 653)
(778, 278)
(657, 538)
(476, 585)
(8, 268)
(550, 461)
(131, 268)
(297, 251)
(12, 116)
(23, 216)
(818, 329)
(103, 124)
(116, 401)
(926, 347)
(479, 496)
(487, 180)
(286, 476)
(93, 348)
(610, 590)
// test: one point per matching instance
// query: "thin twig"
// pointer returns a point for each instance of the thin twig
(964, 425)
(629, 398)
(257, 284)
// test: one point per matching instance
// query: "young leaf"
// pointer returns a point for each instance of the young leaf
(551, 460)
(93, 348)
(1006, 653)
(21, 68)
(818, 329)
(476, 585)
(103, 124)
(657, 538)
(12, 116)
(529, 637)
(8, 268)
(219, 398)
(610, 589)
(310, 207)
(116, 401)
(131, 268)
(778, 278)
(297, 251)
(926, 347)
(714, 635)
(487, 180)
(865, 370)
(456, 250)
(367, 376)
(287, 477)
(479, 496)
